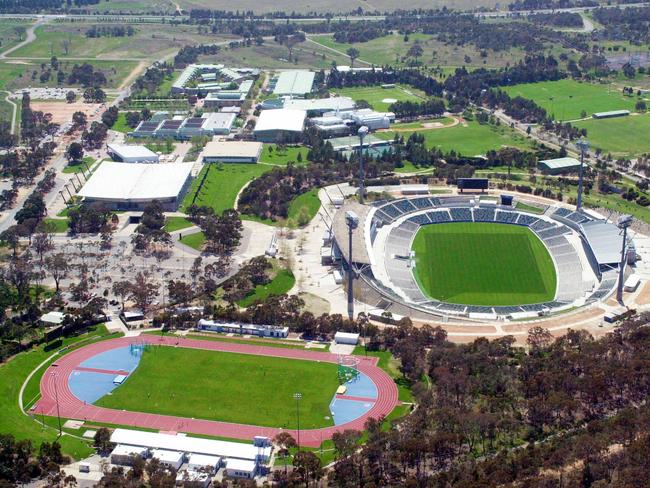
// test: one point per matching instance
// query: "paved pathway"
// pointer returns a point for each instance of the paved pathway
(54, 384)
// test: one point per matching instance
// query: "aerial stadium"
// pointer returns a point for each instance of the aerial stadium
(478, 256)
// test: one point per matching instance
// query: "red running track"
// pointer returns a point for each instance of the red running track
(55, 383)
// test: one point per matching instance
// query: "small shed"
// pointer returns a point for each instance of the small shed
(346, 338)
(173, 459)
(198, 462)
(239, 468)
(123, 454)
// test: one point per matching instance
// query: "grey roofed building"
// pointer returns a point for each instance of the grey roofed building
(295, 82)
(340, 231)
(605, 241)
(559, 165)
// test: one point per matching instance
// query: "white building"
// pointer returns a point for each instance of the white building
(281, 125)
(131, 153)
(346, 338)
(232, 152)
(127, 186)
(248, 329)
(237, 468)
(295, 82)
(171, 459)
(123, 454)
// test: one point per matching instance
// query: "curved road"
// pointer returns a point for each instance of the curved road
(54, 385)
(31, 37)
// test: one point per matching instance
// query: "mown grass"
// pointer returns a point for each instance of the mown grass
(309, 201)
(229, 387)
(281, 283)
(176, 223)
(375, 95)
(483, 264)
(194, 241)
(621, 136)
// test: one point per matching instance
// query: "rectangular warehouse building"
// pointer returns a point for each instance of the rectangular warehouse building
(281, 125)
(131, 154)
(559, 165)
(232, 152)
(294, 83)
(124, 186)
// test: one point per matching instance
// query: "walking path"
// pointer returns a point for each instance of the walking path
(55, 390)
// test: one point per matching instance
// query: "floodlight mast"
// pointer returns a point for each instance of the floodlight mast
(363, 132)
(583, 145)
(623, 223)
(352, 221)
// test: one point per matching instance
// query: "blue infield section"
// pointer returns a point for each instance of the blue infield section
(90, 386)
(359, 397)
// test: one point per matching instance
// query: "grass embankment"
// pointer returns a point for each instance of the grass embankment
(228, 387)
(13, 374)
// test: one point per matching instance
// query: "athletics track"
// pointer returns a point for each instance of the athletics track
(72, 407)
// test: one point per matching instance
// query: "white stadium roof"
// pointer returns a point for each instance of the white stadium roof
(281, 119)
(193, 445)
(605, 240)
(136, 182)
(320, 104)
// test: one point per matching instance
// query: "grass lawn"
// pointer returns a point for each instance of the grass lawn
(279, 285)
(529, 208)
(79, 167)
(13, 373)
(421, 124)
(59, 226)
(120, 124)
(470, 140)
(308, 200)
(228, 387)
(176, 223)
(566, 99)
(376, 95)
(223, 184)
(195, 240)
(483, 264)
(283, 156)
(622, 136)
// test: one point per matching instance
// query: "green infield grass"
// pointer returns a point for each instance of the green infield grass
(483, 264)
(621, 136)
(566, 99)
(222, 184)
(239, 388)
(381, 98)
(469, 139)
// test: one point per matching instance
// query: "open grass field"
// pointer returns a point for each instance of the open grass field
(8, 34)
(281, 157)
(195, 241)
(176, 223)
(621, 136)
(483, 264)
(272, 55)
(392, 50)
(382, 98)
(566, 99)
(223, 184)
(308, 200)
(228, 387)
(150, 41)
(470, 139)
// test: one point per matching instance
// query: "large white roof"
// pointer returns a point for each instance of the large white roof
(281, 119)
(193, 445)
(136, 182)
(332, 103)
(131, 151)
(294, 82)
(240, 465)
(605, 241)
(229, 149)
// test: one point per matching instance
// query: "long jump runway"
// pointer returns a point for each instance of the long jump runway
(54, 385)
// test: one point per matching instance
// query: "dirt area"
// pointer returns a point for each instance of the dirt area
(62, 111)
(643, 298)
(562, 320)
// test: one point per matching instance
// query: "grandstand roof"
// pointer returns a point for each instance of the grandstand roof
(136, 182)
(340, 230)
(605, 241)
(560, 163)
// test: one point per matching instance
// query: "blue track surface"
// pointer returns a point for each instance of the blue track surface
(345, 410)
(90, 386)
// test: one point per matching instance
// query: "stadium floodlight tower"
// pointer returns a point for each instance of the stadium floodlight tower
(583, 145)
(363, 132)
(623, 223)
(352, 221)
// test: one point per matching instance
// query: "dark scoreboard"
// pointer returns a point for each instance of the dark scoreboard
(473, 184)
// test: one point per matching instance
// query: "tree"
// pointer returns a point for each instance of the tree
(641, 106)
(103, 440)
(307, 466)
(79, 119)
(42, 243)
(346, 442)
(143, 292)
(71, 96)
(415, 51)
(121, 289)
(285, 442)
(353, 53)
(75, 152)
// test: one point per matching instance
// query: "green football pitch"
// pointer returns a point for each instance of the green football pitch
(483, 264)
(239, 388)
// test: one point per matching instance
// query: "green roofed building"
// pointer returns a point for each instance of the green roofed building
(559, 165)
